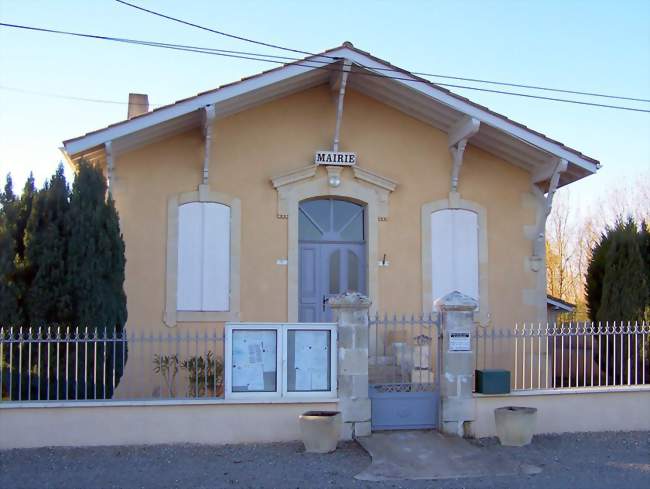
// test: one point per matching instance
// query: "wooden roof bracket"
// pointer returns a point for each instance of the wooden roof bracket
(209, 115)
(341, 83)
(110, 164)
(539, 247)
(459, 135)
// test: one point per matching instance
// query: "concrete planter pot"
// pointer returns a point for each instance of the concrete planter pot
(515, 425)
(320, 430)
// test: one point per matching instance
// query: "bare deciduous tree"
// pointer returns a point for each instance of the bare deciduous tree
(573, 229)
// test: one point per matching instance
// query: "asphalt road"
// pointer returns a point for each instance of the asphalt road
(603, 460)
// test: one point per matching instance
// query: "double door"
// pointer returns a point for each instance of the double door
(327, 269)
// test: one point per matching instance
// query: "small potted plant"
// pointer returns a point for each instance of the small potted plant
(204, 375)
(320, 430)
(167, 367)
(515, 425)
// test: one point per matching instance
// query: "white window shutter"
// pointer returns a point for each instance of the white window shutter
(454, 252)
(465, 229)
(190, 251)
(203, 275)
(442, 252)
(216, 257)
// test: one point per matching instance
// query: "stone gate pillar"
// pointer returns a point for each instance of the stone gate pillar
(458, 360)
(351, 313)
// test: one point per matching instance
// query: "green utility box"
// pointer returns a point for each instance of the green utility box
(492, 381)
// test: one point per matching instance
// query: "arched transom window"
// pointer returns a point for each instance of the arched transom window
(331, 220)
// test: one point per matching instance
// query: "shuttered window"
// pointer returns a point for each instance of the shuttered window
(454, 252)
(203, 257)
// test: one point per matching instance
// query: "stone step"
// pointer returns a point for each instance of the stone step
(386, 373)
(382, 360)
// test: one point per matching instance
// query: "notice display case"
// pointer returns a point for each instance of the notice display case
(276, 361)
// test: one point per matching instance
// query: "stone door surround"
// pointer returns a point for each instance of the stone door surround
(365, 187)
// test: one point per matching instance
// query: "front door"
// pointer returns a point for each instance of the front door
(332, 254)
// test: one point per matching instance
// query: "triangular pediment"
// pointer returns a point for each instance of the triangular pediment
(330, 180)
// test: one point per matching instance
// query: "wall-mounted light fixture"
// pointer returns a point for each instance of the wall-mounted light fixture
(334, 176)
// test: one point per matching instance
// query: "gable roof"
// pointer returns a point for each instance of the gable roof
(401, 89)
(558, 304)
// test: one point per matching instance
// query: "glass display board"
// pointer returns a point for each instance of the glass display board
(280, 361)
(254, 360)
(308, 360)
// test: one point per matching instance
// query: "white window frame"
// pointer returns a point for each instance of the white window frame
(281, 392)
(455, 202)
(229, 394)
(332, 328)
(172, 315)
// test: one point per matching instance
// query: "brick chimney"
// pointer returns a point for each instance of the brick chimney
(138, 104)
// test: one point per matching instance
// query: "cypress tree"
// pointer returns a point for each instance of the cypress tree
(115, 249)
(47, 300)
(22, 277)
(8, 293)
(9, 308)
(644, 247)
(24, 210)
(624, 295)
(95, 255)
(596, 273)
(8, 199)
(624, 287)
(7, 195)
(14, 280)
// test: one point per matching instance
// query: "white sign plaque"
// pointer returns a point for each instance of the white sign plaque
(459, 341)
(335, 158)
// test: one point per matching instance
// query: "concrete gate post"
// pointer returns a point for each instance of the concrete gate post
(458, 360)
(351, 313)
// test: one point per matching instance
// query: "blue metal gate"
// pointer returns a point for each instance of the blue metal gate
(404, 371)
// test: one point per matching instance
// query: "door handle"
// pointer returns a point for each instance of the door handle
(324, 302)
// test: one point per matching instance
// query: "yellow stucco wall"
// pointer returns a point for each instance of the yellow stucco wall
(214, 423)
(251, 147)
(570, 410)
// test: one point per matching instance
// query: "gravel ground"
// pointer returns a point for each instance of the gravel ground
(603, 460)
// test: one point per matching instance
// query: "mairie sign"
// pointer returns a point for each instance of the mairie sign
(335, 158)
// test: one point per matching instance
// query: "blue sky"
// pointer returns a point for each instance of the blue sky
(595, 46)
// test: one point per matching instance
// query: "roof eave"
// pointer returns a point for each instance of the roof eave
(471, 109)
(560, 304)
(285, 72)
